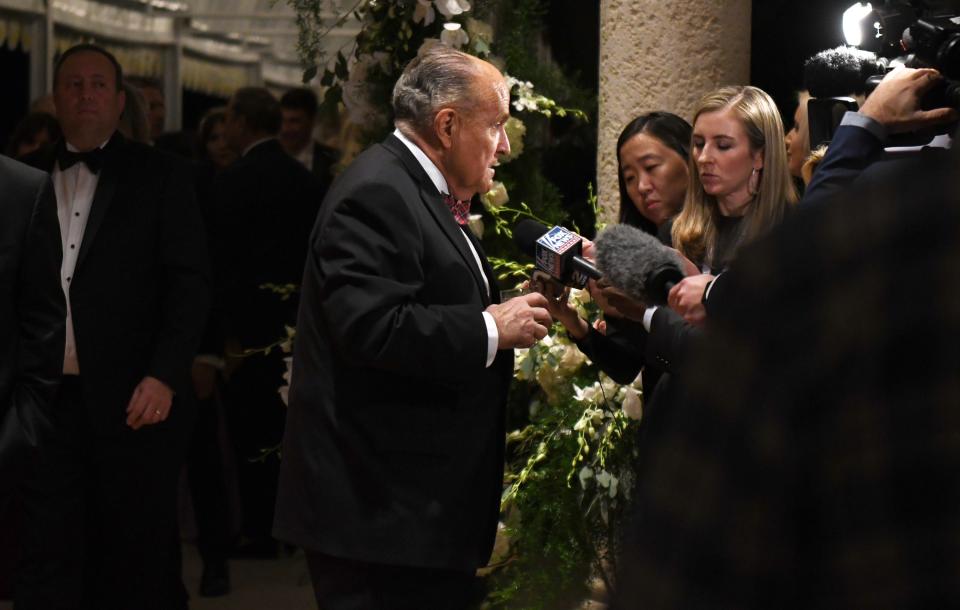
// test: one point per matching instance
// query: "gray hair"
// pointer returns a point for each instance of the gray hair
(439, 77)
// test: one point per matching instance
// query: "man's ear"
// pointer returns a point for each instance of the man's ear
(445, 125)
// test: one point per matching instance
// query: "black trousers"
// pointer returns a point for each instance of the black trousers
(100, 515)
(255, 417)
(345, 584)
(205, 472)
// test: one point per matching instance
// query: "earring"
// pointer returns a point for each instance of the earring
(753, 184)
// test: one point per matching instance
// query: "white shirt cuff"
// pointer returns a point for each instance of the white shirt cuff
(648, 317)
(706, 295)
(493, 338)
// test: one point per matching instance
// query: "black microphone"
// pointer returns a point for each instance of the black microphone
(841, 71)
(557, 252)
(637, 263)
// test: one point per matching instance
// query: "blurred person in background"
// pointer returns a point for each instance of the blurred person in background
(265, 205)
(155, 105)
(298, 109)
(206, 457)
(35, 131)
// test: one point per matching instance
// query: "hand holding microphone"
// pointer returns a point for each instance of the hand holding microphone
(521, 321)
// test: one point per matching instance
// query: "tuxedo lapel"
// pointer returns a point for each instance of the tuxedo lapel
(433, 201)
(102, 197)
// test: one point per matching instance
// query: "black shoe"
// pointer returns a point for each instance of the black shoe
(215, 580)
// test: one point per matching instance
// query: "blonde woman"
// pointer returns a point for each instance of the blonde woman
(740, 187)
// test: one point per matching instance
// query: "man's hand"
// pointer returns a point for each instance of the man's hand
(686, 298)
(521, 321)
(626, 306)
(895, 103)
(150, 403)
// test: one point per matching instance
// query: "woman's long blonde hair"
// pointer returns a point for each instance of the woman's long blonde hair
(694, 232)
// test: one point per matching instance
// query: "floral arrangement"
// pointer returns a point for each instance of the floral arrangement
(570, 473)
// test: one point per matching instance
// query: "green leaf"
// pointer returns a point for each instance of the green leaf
(309, 74)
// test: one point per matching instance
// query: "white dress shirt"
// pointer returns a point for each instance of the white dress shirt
(305, 156)
(74, 188)
(493, 335)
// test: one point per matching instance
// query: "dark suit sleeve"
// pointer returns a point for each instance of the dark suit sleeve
(387, 303)
(851, 151)
(619, 353)
(670, 340)
(42, 315)
(186, 281)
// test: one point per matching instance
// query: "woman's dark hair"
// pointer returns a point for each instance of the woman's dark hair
(674, 133)
(211, 119)
(28, 128)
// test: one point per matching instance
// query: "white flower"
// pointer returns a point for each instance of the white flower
(424, 12)
(496, 196)
(571, 360)
(523, 364)
(589, 394)
(284, 390)
(356, 90)
(480, 29)
(451, 8)
(586, 473)
(453, 35)
(475, 223)
(608, 481)
(632, 404)
(515, 130)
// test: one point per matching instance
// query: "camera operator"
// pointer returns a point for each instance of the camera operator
(894, 107)
(815, 463)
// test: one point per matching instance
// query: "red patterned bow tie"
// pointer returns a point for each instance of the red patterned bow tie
(460, 209)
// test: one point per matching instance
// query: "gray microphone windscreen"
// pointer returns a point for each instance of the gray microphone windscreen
(637, 263)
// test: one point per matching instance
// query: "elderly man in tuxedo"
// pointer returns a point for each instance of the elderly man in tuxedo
(100, 508)
(393, 451)
(31, 316)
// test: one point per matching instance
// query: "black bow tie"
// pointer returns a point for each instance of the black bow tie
(92, 158)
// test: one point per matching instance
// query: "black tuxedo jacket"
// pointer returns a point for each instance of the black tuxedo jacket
(393, 451)
(140, 292)
(32, 313)
(265, 205)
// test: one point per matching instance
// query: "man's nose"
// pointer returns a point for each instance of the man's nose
(503, 143)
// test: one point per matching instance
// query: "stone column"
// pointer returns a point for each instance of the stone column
(657, 55)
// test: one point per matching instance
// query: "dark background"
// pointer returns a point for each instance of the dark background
(784, 34)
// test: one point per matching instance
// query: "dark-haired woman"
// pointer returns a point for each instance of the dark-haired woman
(652, 162)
